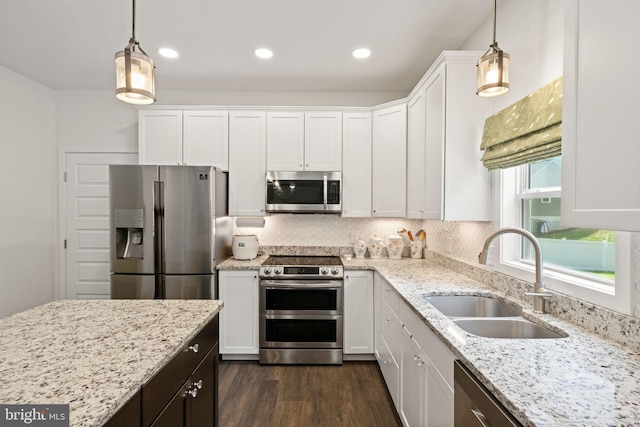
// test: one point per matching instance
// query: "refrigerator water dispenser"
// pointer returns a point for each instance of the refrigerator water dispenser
(129, 232)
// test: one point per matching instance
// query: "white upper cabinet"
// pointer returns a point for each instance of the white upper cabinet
(356, 164)
(206, 138)
(416, 178)
(285, 141)
(389, 162)
(600, 126)
(304, 141)
(457, 185)
(160, 137)
(247, 164)
(323, 141)
(177, 137)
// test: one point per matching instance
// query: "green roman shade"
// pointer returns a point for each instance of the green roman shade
(527, 130)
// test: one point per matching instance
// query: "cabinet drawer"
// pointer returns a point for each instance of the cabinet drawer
(163, 386)
(390, 371)
(390, 329)
(389, 295)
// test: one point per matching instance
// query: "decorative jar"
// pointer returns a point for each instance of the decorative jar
(376, 245)
(395, 246)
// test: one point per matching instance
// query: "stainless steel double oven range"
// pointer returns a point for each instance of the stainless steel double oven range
(301, 310)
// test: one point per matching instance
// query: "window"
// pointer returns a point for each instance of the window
(588, 264)
(571, 250)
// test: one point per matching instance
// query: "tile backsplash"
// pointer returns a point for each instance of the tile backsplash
(456, 239)
(325, 230)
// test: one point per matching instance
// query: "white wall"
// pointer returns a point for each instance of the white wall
(27, 170)
(95, 119)
(280, 98)
(532, 32)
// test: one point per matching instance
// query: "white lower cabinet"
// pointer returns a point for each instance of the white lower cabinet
(417, 367)
(238, 289)
(358, 312)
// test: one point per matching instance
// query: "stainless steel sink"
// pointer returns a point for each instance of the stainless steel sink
(505, 328)
(473, 306)
(489, 317)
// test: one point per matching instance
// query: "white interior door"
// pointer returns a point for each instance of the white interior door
(85, 222)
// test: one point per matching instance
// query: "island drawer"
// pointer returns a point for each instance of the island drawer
(160, 389)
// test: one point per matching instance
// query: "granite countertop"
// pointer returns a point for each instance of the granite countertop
(234, 264)
(580, 380)
(93, 355)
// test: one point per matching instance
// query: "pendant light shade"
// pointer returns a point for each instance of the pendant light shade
(493, 68)
(135, 72)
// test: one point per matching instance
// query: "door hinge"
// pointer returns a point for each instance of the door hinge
(64, 176)
(65, 243)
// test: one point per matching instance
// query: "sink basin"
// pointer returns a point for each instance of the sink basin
(473, 306)
(505, 328)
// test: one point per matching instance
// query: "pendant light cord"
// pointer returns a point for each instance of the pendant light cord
(133, 24)
(495, 7)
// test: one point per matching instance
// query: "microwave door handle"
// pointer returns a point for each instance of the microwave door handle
(324, 191)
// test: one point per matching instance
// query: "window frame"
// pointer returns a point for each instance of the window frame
(508, 213)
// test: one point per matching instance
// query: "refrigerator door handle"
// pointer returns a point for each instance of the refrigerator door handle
(158, 209)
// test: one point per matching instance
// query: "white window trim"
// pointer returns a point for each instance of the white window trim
(507, 214)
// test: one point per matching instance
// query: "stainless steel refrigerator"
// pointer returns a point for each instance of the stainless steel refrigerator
(169, 227)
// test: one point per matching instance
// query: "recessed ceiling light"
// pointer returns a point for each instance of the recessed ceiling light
(167, 52)
(361, 53)
(263, 53)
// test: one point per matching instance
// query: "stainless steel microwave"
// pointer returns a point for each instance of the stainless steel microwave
(304, 192)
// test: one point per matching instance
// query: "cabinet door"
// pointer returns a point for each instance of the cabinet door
(600, 151)
(358, 312)
(239, 316)
(413, 383)
(416, 179)
(160, 137)
(176, 413)
(389, 162)
(285, 141)
(356, 165)
(323, 141)
(205, 387)
(439, 409)
(434, 146)
(206, 138)
(247, 146)
(467, 183)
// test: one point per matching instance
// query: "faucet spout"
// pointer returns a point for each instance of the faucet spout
(539, 291)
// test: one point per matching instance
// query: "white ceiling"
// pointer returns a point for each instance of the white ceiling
(69, 44)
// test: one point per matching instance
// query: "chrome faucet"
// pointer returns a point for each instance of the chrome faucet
(539, 291)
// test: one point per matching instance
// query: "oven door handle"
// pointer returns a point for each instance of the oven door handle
(301, 284)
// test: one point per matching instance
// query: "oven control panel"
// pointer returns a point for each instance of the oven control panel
(297, 271)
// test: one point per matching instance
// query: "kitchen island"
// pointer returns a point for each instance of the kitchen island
(95, 355)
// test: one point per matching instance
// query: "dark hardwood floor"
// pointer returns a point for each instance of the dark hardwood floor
(352, 394)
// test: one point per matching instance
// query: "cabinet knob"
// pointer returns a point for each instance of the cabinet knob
(307, 165)
(193, 392)
(197, 384)
(193, 348)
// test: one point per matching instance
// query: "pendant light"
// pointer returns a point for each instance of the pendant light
(493, 68)
(134, 72)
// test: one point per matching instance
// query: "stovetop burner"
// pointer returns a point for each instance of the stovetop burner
(303, 260)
